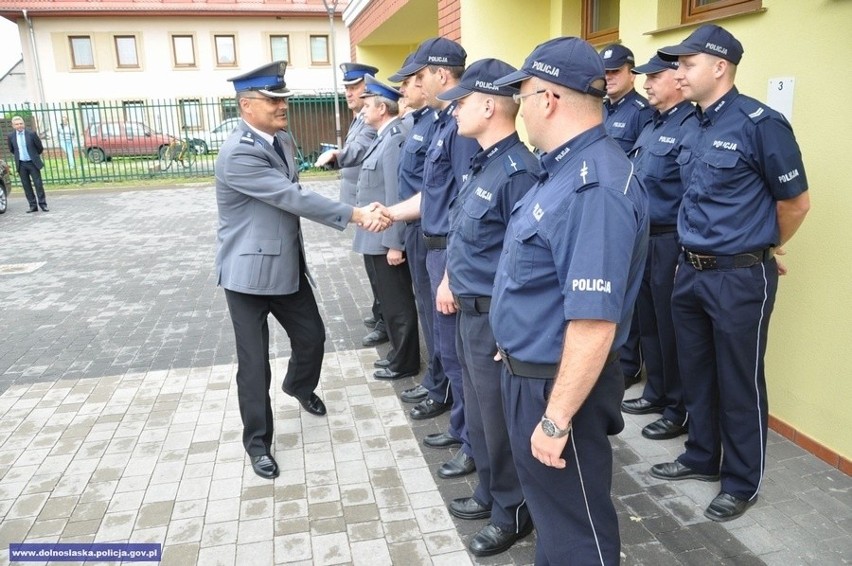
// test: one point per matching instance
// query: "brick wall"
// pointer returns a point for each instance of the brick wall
(449, 19)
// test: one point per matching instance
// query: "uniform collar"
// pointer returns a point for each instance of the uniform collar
(552, 161)
(679, 109)
(447, 113)
(485, 156)
(418, 114)
(613, 106)
(386, 125)
(260, 134)
(710, 115)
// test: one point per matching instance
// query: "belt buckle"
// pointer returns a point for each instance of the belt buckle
(694, 260)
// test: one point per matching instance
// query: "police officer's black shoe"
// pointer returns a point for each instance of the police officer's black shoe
(428, 409)
(381, 364)
(375, 338)
(440, 440)
(389, 374)
(640, 407)
(460, 465)
(662, 429)
(32, 209)
(370, 321)
(265, 466)
(677, 471)
(494, 540)
(469, 509)
(414, 395)
(726, 507)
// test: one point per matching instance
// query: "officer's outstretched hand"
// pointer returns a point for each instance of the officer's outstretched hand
(326, 157)
(373, 217)
(548, 450)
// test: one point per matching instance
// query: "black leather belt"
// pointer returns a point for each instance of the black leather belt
(703, 261)
(539, 371)
(657, 229)
(435, 242)
(469, 303)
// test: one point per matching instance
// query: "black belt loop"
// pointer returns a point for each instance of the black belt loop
(479, 305)
(435, 242)
(703, 262)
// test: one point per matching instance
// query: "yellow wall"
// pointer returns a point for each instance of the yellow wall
(388, 58)
(808, 373)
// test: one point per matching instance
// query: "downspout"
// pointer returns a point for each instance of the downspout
(40, 84)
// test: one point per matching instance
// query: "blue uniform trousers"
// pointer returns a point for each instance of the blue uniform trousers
(445, 344)
(572, 509)
(657, 329)
(498, 486)
(630, 352)
(721, 319)
(434, 380)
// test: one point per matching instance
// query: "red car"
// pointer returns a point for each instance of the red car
(104, 140)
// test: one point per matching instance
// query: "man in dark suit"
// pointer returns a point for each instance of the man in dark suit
(260, 261)
(25, 146)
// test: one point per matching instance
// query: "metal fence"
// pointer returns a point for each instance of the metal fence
(98, 141)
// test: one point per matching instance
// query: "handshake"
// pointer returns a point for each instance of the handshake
(374, 217)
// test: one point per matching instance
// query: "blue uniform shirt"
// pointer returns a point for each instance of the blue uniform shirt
(499, 177)
(655, 159)
(625, 119)
(736, 164)
(574, 249)
(414, 152)
(447, 164)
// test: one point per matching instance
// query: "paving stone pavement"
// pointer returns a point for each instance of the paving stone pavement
(120, 421)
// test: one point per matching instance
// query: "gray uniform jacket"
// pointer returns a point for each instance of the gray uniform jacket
(260, 203)
(358, 140)
(379, 182)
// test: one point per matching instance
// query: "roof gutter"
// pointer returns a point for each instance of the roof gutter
(35, 57)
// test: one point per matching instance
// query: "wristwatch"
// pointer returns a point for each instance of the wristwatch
(552, 430)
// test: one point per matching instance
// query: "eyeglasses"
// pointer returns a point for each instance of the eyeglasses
(268, 99)
(518, 97)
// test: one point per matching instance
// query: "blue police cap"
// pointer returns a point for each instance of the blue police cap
(398, 77)
(710, 39)
(354, 73)
(480, 77)
(654, 66)
(567, 61)
(268, 80)
(375, 88)
(435, 51)
(616, 56)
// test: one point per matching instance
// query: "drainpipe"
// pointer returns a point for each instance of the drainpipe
(35, 57)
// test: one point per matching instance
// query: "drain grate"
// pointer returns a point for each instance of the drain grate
(19, 268)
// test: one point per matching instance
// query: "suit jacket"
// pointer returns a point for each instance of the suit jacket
(260, 204)
(358, 140)
(379, 181)
(34, 148)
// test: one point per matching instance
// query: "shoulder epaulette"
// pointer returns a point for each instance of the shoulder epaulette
(639, 102)
(513, 165)
(588, 176)
(247, 138)
(395, 131)
(756, 113)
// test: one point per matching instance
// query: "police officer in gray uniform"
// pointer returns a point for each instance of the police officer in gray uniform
(348, 159)
(383, 253)
(260, 260)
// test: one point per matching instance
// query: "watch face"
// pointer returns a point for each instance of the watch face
(548, 427)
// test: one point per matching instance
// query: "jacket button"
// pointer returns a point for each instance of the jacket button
(259, 250)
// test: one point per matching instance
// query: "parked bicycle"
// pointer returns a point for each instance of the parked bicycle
(182, 151)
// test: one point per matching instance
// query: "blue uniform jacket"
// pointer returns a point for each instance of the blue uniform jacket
(625, 119)
(413, 155)
(499, 177)
(447, 164)
(739, 160)
(575, 249)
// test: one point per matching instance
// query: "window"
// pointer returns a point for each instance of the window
(229, 108)
(82, 56)
(703, 10)
(226, 50)
(319, 50)
(280, 46)
(184, 50)
(190, 114)
(600, 21)
(91, 112)
(125, 51)
(134, 110)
